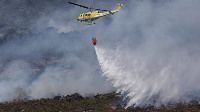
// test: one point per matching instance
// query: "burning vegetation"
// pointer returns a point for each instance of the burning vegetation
(110, 102)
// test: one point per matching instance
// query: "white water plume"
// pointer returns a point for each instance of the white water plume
(142, 77)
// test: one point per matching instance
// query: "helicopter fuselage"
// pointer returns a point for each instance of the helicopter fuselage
(94, 15)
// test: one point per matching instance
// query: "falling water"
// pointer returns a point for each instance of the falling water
(143, 82)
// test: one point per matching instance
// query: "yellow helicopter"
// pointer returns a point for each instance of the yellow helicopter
(94, 15)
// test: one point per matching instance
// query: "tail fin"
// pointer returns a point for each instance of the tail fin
(119, 7)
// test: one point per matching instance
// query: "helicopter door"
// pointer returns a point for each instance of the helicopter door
(83, 15)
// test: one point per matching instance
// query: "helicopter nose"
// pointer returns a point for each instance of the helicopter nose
(78, 20)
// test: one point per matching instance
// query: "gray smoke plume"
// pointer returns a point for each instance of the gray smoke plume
(46, 52)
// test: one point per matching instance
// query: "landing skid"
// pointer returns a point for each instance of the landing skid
(90, 23)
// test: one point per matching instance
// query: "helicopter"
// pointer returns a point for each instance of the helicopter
(91, 16)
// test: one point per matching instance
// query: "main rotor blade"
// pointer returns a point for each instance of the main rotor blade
(85, 6)
(79, 5)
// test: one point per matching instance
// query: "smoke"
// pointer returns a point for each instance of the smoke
(149, 48)
(152, 51)
(16, 75)
(53, 55)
